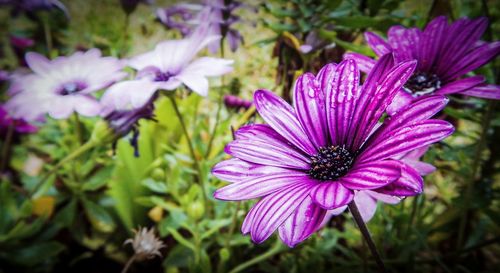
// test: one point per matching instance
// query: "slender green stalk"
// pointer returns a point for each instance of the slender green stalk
(78, 129)
(6, 146)
(191, 147)
(233, 225)
(277, 248)
(75, 154)
(219, 107)
(469, 187)
(366, 234)
(47, 33)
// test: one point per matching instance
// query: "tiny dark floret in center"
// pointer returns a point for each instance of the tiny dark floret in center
(330, 163)
(163, 76)
(422, 83)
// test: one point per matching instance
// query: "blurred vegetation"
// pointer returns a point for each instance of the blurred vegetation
(78, 219)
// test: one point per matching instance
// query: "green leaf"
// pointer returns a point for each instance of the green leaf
(99, 217)
(35, 253)
(155, 186)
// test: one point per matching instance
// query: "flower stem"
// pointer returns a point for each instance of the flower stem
(277, 248)
(469, 187)
(78, 129)
(129, 263)
(366, 234)
(76, 153)
(47, 33)
(191, 147)
(6, 147)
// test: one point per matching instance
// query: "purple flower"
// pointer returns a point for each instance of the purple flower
(64, 85)
(20, 125)
(314, 156)
(232, 101)
(216, 15)
(167, 67)
(445, 54)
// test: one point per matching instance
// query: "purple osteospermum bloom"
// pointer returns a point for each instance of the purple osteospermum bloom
(167, 67)
(235, 102)
(20, 125)
(312, 157)
(445, 54)
(64, 85)
(216, 15)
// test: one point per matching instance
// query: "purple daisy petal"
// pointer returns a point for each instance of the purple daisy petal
(331, 195)
(431, 40)
(487, 91)
(460, 85)
(281, 117)
(37, 62)
(409, 184)
(407, 138)
(474, 59)
(377, 43)
(341, 95)
(261, 186)
(276, 208)
(306, 219)
(310, 108)
(365, 64)
(422, 168)
(401, 100)
(235, 170)
(372, 175)
(404, 42)
(367, 205)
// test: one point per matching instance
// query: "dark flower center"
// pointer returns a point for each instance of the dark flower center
(71, 88)
(422, 83)
(163, 76)
(330, 163)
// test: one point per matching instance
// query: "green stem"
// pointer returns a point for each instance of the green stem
(78, 129)
(366, 234)
(233, 225)
(469, 187)
(277, 248)
(47, 33)
(6, 147)
(191, 147)
(219, 107)
(76, 153)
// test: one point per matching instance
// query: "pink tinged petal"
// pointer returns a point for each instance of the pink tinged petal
(460, 85)
(341, 96)
(367, 205)
(404, 42)
(421, 167)
(62, 110)
(381, 68)
(270, 152)
(462, 36)
(373, 175)
(331, 194)
(281, 117)
(409, 184)
(385, 198)
(473, 60)
(248, 222)
(196, 82)
(261, 186)
(87, 106)
(235, 170)
(486, 91)
(129, 94)
(38, 63)
(209, 67)
(431, 43)
(377, 43)
(310, 108)
(407, 138)
(420, 110)
(276, 208)
(306, 219)
(257, 132)
(384, 94)
(365, 64)
(399, 102)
